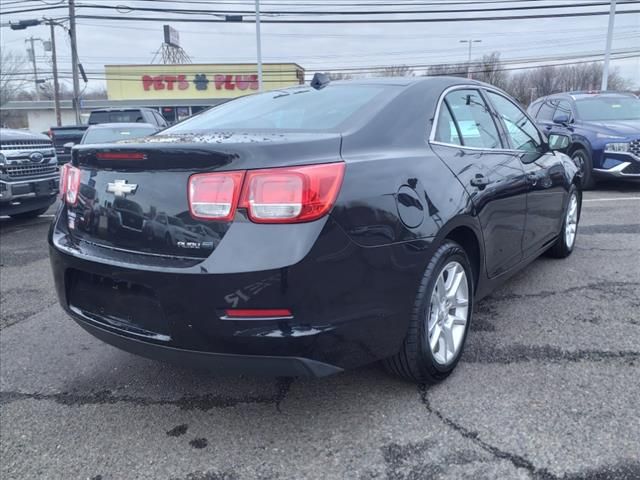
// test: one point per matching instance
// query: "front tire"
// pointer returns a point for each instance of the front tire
(440, 318)
(582, 158)
(567, 238)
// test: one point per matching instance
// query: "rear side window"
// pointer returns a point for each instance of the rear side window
(291, 109)
(447, 131)
(522, 133)
(473, 118)
(546, 111)
(126, 116)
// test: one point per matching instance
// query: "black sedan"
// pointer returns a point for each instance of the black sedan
(308, 230)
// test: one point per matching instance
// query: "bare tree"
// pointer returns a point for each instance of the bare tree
(340, 76)
(447, 69)
(12, 82)
(490, 69)
(12, 78)
(396, 71)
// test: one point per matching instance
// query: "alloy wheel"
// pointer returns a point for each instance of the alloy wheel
(571, 221)
(448, 313)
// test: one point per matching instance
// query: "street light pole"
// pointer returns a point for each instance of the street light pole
(607, 52)
(470, 42)
(259, 45)
(56, 84)
(74, 60)
(32, 54)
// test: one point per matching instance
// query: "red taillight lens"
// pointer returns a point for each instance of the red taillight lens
(291, 194)
(121, 156)
(63, 179)
(71, 185)
(214, 196)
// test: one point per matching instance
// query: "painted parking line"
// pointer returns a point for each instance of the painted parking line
(615, 199)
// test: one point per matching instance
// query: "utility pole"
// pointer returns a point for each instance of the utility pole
(470, 42)
(74, 60)
(607, 52)
(32, 55)
(259, 45)
(56, 84)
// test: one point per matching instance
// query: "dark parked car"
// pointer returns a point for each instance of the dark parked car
(63, 136)
(128, 115)
(343, 223)
(29, 174)
(604, 129)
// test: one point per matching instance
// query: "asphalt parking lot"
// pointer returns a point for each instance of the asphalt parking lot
(548, 387)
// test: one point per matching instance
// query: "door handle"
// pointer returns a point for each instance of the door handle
(479, 181)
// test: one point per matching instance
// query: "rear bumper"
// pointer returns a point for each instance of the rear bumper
(217, 363)
(351, 306)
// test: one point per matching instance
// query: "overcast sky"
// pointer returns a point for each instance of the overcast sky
(331, 46)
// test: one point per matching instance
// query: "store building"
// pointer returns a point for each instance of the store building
(177, 91)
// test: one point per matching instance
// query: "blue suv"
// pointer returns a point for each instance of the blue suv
(604, 128)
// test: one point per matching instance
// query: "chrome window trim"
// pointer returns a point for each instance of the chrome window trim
(432, 135)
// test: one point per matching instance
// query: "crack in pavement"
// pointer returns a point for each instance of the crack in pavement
(625, 470)
(194, 402)
(604, 287)
(483, 353)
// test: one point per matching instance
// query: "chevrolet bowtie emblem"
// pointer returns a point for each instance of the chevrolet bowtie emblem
(121, 188)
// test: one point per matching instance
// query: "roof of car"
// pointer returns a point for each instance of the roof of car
(127, 109)
(578, 95)
(121, 125)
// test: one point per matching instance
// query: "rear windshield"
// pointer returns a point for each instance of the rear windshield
(608, 108)
(108, 135)
(294, 109)
(126, 116)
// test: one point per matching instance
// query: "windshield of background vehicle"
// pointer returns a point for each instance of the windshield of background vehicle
(295, 109)
(108, 135)
(603, 108)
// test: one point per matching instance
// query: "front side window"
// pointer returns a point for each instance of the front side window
(473, 118)
(565, 108)
(546, 111)
(522, 133)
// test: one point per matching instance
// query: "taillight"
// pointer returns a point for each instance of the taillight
(63, 179)
(259, 313)
(70, 184)
(291, 194)
(214, 196)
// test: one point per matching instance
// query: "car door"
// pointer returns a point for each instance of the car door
(545, 115)
(544, 170)
(467, 139)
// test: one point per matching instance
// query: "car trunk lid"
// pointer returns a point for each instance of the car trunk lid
(134, 196)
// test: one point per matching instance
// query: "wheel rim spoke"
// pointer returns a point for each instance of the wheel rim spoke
(448, 313)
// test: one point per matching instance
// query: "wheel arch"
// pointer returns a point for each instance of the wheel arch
(467, 233)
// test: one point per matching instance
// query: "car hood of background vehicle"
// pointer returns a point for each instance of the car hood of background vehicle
(618, 127)
(8, 134)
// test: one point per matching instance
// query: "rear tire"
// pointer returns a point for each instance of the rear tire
(582, 158)
(424, 355)
(28, 215)
(567, 239)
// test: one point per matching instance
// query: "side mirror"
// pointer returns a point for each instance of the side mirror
(69, 145)
(558, 142)
(561, 118)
